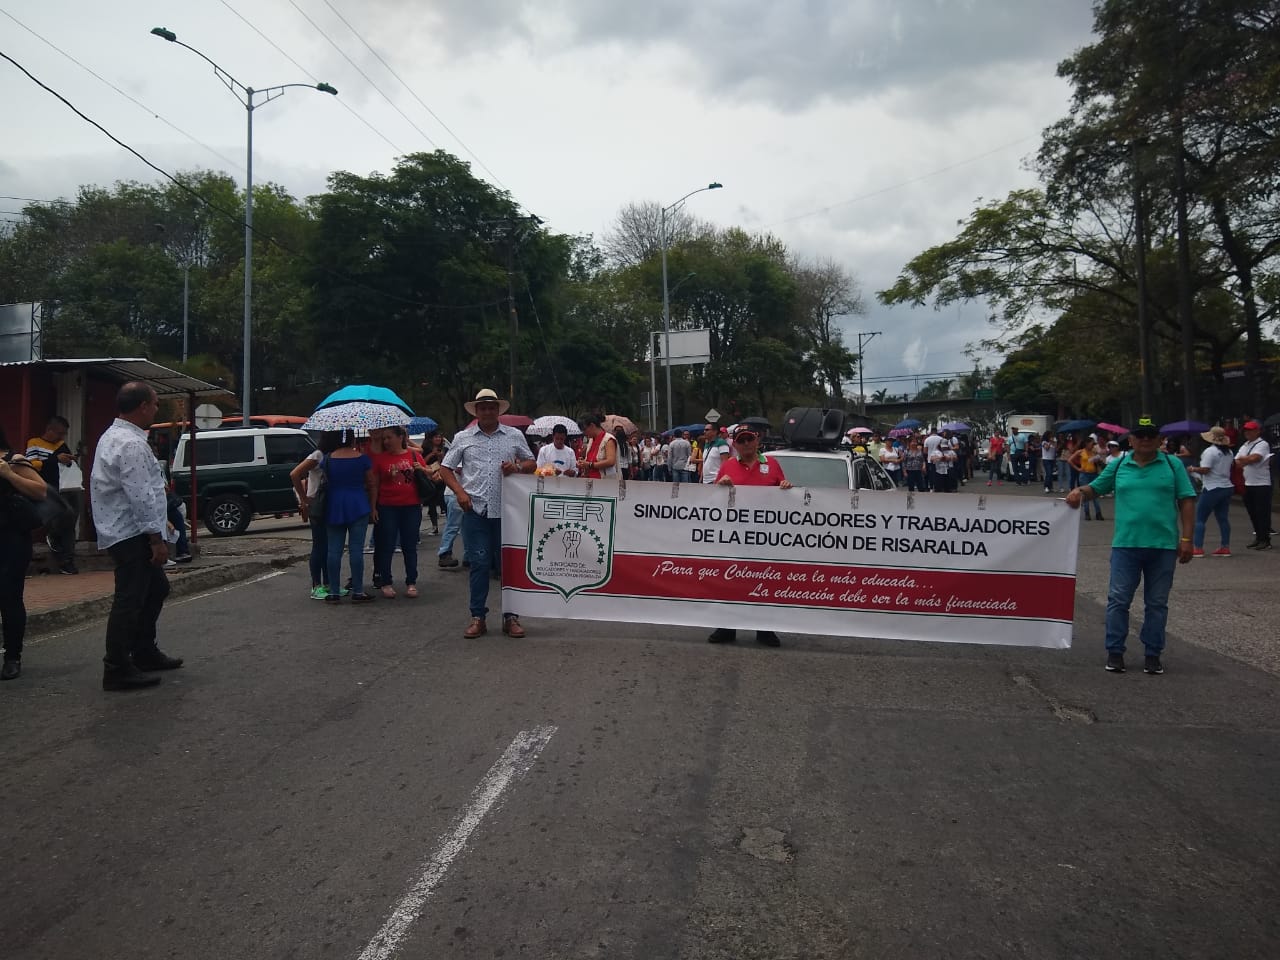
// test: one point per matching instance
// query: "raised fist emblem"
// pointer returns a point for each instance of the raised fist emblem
(572, 539)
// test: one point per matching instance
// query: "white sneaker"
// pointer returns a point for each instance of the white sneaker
(171, 563)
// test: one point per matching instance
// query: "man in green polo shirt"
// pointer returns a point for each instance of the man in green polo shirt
(1155, 516)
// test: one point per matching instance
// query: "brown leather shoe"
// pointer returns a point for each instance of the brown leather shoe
(511, 627)
(475, 628)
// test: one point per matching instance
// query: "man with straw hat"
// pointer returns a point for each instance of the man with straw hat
(481, 455)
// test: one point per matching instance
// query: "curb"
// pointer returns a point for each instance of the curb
(198, 580)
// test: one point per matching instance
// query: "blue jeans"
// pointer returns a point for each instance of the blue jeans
(319, 552)
(1095, 502)
(1050, 474)
(482, 542)
(338, 536)
(182, 548)
(402, 525)
(1155, 568)
(993, 469)
(1216, 503)
(452, 523)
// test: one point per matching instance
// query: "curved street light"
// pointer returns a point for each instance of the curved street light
(248, 97)
(666, 296)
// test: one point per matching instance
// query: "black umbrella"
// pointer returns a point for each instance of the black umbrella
(1272, 421)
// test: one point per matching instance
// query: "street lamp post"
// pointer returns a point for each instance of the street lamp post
(863, 337)
(666, 297)
(246, 95)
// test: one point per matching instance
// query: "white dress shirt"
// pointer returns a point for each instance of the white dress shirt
(477, 457)
(126, 487)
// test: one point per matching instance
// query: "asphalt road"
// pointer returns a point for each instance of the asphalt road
(339, 782)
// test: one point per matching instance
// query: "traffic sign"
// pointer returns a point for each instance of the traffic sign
(208, 417)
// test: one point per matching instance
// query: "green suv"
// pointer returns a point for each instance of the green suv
(240, 474)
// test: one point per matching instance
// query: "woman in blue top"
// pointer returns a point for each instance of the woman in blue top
(353, 491)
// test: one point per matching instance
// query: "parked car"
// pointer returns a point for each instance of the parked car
(240, 474)
(831, 468)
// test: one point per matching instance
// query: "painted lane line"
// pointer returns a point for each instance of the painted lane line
(227, 589)
(513, 764)
(106, 601)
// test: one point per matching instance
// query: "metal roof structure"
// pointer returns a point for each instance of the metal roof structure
(166, 383)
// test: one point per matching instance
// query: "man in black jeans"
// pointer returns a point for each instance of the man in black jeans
(131, 515)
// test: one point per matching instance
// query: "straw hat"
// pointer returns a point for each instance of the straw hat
(1217, 435)
(487, 395)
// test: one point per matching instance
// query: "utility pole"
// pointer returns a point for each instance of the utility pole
(1144, 319)
(864, 337)
(513, 318)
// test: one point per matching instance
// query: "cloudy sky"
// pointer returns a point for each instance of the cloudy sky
(859, 130)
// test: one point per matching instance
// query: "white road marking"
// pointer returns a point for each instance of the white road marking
(106, 606)
(226, 589)
(514, 762)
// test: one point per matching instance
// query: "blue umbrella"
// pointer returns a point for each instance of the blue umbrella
(693, 428)
(1184, 426)
(909, 425)
(1071, 426)
(364, 393)
(422, 425)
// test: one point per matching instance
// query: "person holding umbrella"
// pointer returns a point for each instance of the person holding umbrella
(480, 456)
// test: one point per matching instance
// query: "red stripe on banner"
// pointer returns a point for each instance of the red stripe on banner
(957, 593)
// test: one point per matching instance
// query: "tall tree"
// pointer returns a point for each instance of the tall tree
(827, 294)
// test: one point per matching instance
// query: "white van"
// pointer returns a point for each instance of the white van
(1029, 423)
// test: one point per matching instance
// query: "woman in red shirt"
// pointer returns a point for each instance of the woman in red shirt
(398, 514)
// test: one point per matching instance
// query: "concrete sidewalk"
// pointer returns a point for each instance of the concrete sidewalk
(55, 601)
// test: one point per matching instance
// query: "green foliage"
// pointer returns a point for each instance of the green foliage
(403, 279)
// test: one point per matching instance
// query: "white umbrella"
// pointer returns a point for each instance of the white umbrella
(543, 426)
(358, 415)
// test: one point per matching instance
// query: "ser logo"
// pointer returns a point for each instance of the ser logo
(570, 545)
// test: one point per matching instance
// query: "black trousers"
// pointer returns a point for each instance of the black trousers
(15, 555)
(1257, 500)
(62, 534)
(141, 588)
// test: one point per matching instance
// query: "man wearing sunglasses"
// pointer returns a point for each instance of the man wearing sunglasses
(1155, 515)
(749, 467)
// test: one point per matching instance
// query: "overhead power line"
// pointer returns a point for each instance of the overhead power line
(346, 106)
(337, 13)
(369, 80)
(899, 185)
(232, 216)
(132, 99)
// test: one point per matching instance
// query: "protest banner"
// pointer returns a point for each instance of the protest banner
(932, 566)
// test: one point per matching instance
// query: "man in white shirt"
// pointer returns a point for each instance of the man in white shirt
(130, 512)
(1254, 459)
(679, 451)
(931, 444)
(557, 454)
(714, 448)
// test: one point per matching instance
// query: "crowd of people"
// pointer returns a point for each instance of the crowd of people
(381, 483)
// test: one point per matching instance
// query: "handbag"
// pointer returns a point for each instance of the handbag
(23, 514)
(317, 505)
(428, 492)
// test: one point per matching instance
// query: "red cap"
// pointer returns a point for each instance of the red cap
(1251, 425)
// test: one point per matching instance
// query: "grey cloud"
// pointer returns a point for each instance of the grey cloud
(794, 54)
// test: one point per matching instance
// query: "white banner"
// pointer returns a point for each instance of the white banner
(931, 566)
